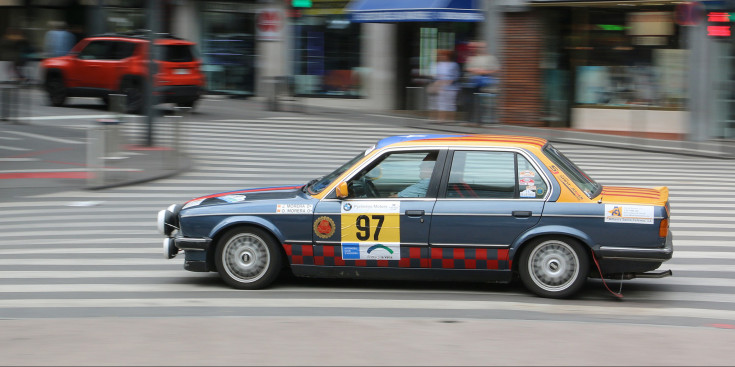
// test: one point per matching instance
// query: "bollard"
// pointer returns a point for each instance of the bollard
(95, 152)
(8, 102)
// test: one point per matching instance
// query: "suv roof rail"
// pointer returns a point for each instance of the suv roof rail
(137, 33)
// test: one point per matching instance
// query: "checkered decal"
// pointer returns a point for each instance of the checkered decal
(411, 257)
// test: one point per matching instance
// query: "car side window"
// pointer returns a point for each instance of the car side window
(123, 50)
(493, 175)
(400, 174)
(531, 185)
(97, 50)
(478, 174)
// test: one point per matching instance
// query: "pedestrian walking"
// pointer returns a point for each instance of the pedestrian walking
(481, 72)
(443, 91)
(58, 41)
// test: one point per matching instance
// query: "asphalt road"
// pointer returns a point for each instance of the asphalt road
(83, 280)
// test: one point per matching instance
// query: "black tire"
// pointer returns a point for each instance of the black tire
(56, 90)
(134, 96)
(554, 267)
(248, 258)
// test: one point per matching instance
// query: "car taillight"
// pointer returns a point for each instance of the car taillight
(663, 228)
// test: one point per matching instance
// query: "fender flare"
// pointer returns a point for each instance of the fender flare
(549, 230)
(246, 220)
(53, 72)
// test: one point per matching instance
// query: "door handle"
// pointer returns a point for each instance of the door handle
(522, 213)
(415, 213)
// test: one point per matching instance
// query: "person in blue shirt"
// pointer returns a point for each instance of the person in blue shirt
(58, 41)
(418, 190)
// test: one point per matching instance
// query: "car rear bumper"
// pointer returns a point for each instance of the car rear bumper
(179, 93)
(636, 254)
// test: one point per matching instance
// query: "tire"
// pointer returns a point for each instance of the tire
(134, 93)
(248, 258)
(554, 267)
(56, 90)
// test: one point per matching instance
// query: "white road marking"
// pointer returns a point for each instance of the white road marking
(49, 138)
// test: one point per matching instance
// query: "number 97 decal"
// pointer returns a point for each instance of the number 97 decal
(371, 230)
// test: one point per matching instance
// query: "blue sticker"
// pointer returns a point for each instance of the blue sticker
(540, 191)
(350, 251)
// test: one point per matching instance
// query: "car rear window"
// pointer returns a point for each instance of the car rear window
(176, 53)
(584, 182)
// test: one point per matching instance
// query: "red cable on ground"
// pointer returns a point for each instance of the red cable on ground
(619, 295)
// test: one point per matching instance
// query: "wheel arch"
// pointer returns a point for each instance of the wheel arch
(137, 79)
(244, 222)
(52, 72)
(548, 232)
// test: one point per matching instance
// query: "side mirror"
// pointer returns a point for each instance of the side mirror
(342, 190)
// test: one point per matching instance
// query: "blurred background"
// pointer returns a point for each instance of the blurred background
(658, 68)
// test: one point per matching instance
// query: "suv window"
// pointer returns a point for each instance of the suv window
(97, 50)
(175, 53)
(496, 175)
(123, 50)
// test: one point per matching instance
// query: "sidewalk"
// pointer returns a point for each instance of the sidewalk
(651, 142)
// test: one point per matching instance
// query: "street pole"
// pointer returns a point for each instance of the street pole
(152, 23)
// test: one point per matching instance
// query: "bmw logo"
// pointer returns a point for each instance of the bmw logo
(347, 207)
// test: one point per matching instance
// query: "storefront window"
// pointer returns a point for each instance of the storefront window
(627, 58)
(327, 56)
(228, 51)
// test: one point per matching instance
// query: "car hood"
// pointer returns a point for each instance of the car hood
(263, 193)
(635, 195)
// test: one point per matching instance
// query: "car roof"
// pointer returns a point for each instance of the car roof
(161, 39)
(468, 140)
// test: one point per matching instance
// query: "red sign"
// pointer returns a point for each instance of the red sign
(269, 23)
(721, 28)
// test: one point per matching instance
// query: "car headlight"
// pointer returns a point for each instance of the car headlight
(168, 219)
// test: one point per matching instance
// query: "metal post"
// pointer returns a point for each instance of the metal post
(95, 150)
(152, 22)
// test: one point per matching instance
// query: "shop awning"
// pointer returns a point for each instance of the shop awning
(390, 11)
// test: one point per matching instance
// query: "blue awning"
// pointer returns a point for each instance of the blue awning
(390, 11)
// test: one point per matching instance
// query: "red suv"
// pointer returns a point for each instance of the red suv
(112, 63)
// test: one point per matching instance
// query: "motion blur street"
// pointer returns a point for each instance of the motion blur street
(113, 110)
(82, 272)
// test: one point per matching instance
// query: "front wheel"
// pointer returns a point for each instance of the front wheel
(554, 267)
(56, 90)
(248, 258)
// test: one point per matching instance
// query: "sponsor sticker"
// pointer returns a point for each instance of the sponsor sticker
(635, 214)
(371, 251)
(324, 227)
(294, 208)
(526, 181)
(528, 193)
(232, 198)
(526, 173)
(371, 230)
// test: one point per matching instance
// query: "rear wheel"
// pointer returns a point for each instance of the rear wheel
(56, 89)
(554, 267)
(248, 258)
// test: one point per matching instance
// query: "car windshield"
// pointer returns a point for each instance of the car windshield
(317, 185)
(584, 182)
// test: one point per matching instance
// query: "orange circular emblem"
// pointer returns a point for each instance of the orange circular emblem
(324, 227)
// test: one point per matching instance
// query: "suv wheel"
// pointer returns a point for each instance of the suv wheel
(134, 96)
(56, 90)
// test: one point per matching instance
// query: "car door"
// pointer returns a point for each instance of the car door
(89, 66)
(385, 220)
(487, 199)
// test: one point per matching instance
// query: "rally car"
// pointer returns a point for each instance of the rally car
(431, 207)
